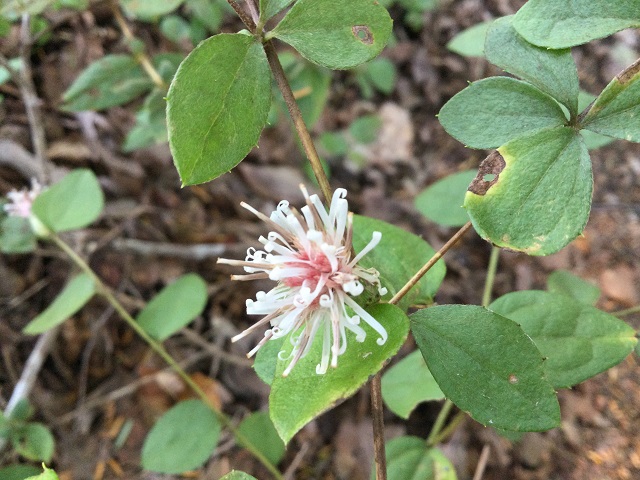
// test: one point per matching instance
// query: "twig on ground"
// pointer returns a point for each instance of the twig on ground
(214, 350)
(482, 463)
(196, 251)
(297, 461)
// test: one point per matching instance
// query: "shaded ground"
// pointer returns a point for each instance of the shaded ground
(94, 379)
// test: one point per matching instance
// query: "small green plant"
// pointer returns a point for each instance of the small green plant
(31, 440)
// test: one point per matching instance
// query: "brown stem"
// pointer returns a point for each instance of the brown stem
(246, 19)
(378, 427)
(141, 57)
(298, 122)
(427, 266)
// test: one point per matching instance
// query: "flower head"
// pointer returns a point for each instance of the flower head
(21, 201)
(309, 254)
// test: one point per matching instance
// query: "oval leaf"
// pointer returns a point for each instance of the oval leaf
(490, 112)
(174, 307)
(470, 42)
(217, 106)
(34, 441)
(74, 202)
(554, 24)
(534, 193)
(269, 8)
(72, 298)
(409, 383)
(18, 472)
(259, 430)
(297, 399)
(442, 201)
(183, 439)
(488, 366)
(578, 340)
(616, 111)
(112, 80)
(336, 34)
(16, 235)
(552, 71)
(566, 283)
(398, 257)
(409, 458)
(148, 10)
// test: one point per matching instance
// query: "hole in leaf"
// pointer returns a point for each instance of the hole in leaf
(362, 33)
(513, 379)
(488, 173)
(489, 177)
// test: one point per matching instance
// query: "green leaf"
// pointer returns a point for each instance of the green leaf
(259, 430)
(72, 298)
(183, 439)
(151, 124)
(534, 193)
(578, 340)
(16, 235)
(19, 472)
(208, 12)
(174, 307)
(470, 42)
(269, 8)
(17, 8)
(397, 257)
(442, 201)
(408, 458)
(552, 71)
(266, 360)
(109, 81)
(381, 73)
(149, 10)
(486, 365)
(236, 475)
(553, 24)
(337, 35)
(616, 111)
(175, 28)
(74, 202)
(592, 140)
(34, 441)
(218, 104)
(490, 112)
(333, 144)
(303, 395)
(48, 474)
(409, 383)
(566, 283)
(15, 64)
(364, 130)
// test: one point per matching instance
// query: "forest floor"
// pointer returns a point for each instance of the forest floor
(94, 378)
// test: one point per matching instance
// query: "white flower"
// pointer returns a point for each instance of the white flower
(309, 254)
(20, 202)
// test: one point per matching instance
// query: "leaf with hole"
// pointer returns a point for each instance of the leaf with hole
(534, 193)
(183, 439)
(337, 35)
(174, 307)
(409, 383)
(396, 257)
(490, 112)
(409, 458)
(217, 106)
(488, 366)
(566, 283)
(442, 201)
(297, 399)
(259, 430)
(577, 340)
(470, 42)
(552, 71)
(72, 203)
(73, 297)
(616, 111)
(553, 24)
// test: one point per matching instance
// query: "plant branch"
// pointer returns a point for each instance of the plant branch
(628, 311)
(298, 121)
(448, 430)
(491, 276)
(427, 266)
(104, 291)
(141, 57)
(378, 427)
(246, 19)
(439, 423)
